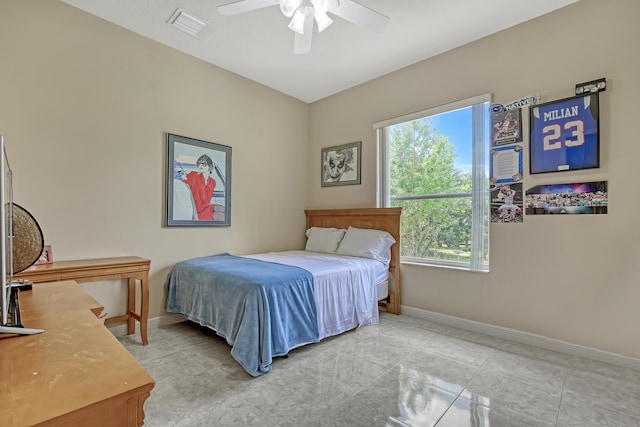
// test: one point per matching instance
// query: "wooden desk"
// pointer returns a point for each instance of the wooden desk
(91, 270)
(76, 373)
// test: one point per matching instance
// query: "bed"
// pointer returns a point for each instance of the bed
(266, 304)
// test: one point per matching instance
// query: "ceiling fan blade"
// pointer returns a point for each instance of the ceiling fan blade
(244, 6)
(302, 42)
(361, 15)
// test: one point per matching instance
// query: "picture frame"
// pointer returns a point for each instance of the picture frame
(46, 257)
(505, 164)
(565, 134)
(340, 164)
(198, 183)
(506, 127)
(568, 198)
(506, 203)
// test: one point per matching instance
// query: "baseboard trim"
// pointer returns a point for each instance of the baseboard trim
(120, 329)
(525, 338)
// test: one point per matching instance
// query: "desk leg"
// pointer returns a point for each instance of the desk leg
(131, 306)
(144, 306)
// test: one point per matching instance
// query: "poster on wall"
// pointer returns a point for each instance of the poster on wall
(564, 135)
(567, 199)
(506, 164)
(198, 183)
(340, 164)
(506, 203)
(506, 127)
(506, 184)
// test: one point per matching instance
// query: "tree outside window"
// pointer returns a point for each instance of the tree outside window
(435, 168)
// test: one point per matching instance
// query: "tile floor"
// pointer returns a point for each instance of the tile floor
(403, 372)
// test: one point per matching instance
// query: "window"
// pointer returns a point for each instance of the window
(434, 164)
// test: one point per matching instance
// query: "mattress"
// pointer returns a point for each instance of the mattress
(340, 305)
(382, 290)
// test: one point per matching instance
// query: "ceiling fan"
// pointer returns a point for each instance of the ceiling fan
(304, 12)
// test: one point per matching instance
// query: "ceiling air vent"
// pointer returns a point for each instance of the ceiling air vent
(188, 23)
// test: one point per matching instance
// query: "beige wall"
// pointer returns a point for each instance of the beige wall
(85, 105)
(570, 278)
(84, 108)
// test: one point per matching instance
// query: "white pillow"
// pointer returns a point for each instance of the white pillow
(321, 239)
(367, 243)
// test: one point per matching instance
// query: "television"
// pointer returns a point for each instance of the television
(10, 306)
(6, 200)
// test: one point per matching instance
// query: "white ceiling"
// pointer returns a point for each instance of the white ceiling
(259, 46)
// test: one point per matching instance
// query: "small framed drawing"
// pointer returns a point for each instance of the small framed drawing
(340, 164)
(565, 134)
(506, 127)
(46, 257)
(198, 183)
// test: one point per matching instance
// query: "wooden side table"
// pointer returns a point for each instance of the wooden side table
(132, 268)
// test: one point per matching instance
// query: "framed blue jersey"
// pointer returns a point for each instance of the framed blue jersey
(564, 134)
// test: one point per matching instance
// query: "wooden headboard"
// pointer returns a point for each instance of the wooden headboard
(386, 219)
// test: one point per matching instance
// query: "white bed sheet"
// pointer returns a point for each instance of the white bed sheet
(382, 289)
(345, 287)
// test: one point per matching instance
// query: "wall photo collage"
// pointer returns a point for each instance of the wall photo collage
(563, 136)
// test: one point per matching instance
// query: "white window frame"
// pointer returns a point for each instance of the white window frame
(479, 193)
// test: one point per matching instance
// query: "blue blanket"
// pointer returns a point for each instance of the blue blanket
(263, 309)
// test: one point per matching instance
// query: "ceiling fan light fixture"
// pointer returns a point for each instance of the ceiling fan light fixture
(288, 7)
(297, 22)
(306, 14)
(322, 19)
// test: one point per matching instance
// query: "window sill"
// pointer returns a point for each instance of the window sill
(437, 265)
